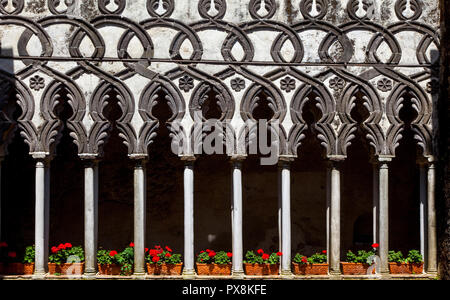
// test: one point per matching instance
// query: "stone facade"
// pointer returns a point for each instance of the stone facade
(354, 82)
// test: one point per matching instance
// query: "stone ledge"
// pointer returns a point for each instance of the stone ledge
(246, 277)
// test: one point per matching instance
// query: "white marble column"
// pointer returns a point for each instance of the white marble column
(431, 227)
(375, 202)
(384, 214)
(90, 215)
(236, 218)
(423, 211)
(189, 256)
(140, 199)
(280, 216)
(284, 167)
(42, 214)
(335, 219)
(328, 209)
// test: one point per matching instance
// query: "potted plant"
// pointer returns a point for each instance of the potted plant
(211, 263)
(107, 262)
(28, 260)
(66, 259)
(412, 264)
(415, 261)
(299, 264)
(261, 263)
(317, 264)
(163, 261)
(356, 263)
(126, 260)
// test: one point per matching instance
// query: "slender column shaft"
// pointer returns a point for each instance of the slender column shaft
(90, 216)
(422, 210)
(236, 217)
(328, 186)
(280, 216)
(384, 216)
(375, 205)
(42, 185)
(139, 216)
(189, 218)
(431, 210)
(335, 220)
(286, 217)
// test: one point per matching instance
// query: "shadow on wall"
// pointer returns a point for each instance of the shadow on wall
(17, 202)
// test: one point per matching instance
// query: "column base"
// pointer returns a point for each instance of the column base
(90, 273)
(238, 274)
(189, 274)
(287, 274)
(139, 275)
(38, 275)
(334, 273)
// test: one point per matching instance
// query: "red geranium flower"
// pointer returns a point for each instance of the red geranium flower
(146, 249)
(207, 250)
(212, 254)
(131, 244)
(157, 246)
(229, 254)
(202, 251)
(279, 253)
(3, 244)
(153, 252)
(376, 245)
(265, 256)
(168, 249)
(55, 249)
(260, 251)
(168, 255)
(61, 247)
(68, 245)
(304, 259)
(12, 254)
(113, 253)
(155, 258)
(324, 251)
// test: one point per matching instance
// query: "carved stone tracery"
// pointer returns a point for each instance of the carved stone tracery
(237, 81)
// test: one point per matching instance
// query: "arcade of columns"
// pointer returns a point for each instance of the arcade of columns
(237, 49)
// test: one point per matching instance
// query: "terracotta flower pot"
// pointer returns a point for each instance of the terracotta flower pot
(298, 269)
(14, 268)
(405, 268)
(399, 268)
(213, 269)
(355, 268)
(316, 269)
(66, 269)
(416, 268)
(108, 269)
(28, 269)
(164, 269)
(262, 269)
